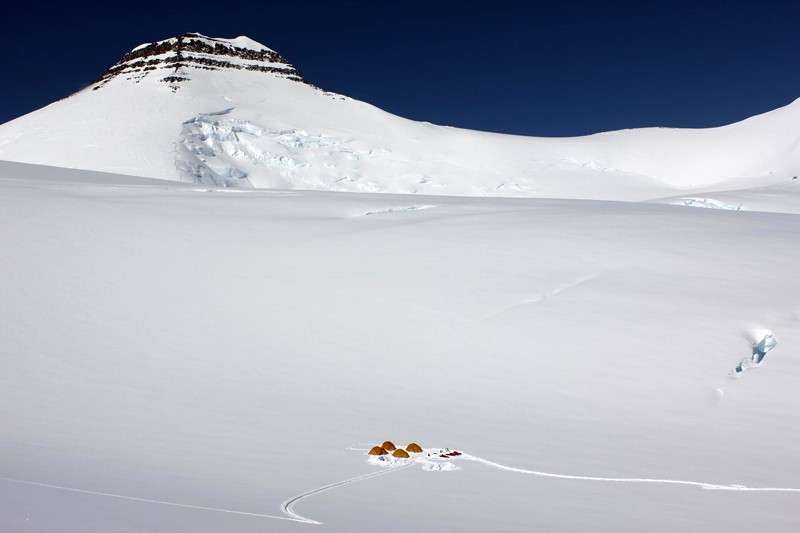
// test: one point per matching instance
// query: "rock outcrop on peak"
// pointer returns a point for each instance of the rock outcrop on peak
(175, 58)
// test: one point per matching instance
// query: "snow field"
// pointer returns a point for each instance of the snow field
(221, 351)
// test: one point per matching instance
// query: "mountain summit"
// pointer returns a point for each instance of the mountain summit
(172, 60)
(234, 113)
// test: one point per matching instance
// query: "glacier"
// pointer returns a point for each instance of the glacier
(181, 358)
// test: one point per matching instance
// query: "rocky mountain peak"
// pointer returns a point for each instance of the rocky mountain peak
(173, 60)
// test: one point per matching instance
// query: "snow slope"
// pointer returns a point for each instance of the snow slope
(177, 357)
(232, 112)
(779, 198)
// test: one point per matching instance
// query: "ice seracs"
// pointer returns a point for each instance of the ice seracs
(707, 203)
(765, 343)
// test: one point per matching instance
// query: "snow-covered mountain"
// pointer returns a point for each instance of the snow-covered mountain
(234, 113)
(184, 356)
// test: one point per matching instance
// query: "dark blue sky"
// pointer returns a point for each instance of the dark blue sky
(527, 68)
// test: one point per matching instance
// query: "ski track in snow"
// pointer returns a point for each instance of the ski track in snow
(578, 281)
(702, 485)
(287, 507)
(147, 500)
(542, 296)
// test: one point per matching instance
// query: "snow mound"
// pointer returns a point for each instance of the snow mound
(243, 41)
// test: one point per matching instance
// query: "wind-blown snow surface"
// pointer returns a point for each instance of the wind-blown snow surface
(778, 198)
(239, 128)
(181, 344)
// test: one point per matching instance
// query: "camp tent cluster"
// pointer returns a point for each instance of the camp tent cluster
(388, 447)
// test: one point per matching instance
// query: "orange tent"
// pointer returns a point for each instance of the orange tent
(377, 450)
(400, 453)
(414, 448)
(389, 446)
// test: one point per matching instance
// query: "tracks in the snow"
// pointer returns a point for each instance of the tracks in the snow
(699, 484)
(287, 507)
(289, 514)
(142, 500)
